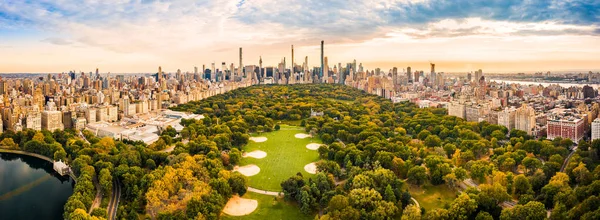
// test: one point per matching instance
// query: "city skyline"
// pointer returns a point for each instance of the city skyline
(459, 36)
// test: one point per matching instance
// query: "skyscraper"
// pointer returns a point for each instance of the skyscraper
(293, 64)
(433, 77)
(240, 68)
(322, 59)
(409, 74)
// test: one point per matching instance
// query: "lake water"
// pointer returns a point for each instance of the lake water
(31, 189)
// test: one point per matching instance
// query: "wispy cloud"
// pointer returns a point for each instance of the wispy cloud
(132, 29)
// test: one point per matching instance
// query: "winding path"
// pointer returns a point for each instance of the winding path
(264, 192)
(113, 204)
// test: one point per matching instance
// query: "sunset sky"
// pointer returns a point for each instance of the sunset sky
(459, 36)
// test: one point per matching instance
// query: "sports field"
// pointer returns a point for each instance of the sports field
(286, 155)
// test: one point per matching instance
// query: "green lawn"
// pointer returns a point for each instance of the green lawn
(286, 156)
(430, 197)
(271, 208)
(347, 102)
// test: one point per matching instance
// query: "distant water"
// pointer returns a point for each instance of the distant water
(545, 84)
(31, 189)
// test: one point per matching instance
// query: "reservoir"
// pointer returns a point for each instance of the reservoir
(31, 189)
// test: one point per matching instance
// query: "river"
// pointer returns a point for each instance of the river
(31, 189)
(545, 84)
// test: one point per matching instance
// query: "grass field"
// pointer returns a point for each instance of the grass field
(431, 197)
(286, 156)
(270, 208)
(347, 102)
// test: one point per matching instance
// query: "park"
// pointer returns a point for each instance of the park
(268, 159)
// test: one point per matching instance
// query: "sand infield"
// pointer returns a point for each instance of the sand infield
(301, 135)
(311, 168)
(248, 170)
(313, 146)
(237, 206)
(258, 139)
(258, 154)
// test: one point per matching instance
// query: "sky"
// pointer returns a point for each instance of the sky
(136, 36)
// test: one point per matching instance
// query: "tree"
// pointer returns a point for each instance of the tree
(582, 174)
(9, 143)
(484, 215)
(531, 211)
(522, 185)
(105, 181)
(462, 207)
(417, 175)
(411, 212)
(277, 127)
(532, 164)
(60, 155)
(432, 141)
(238, 183)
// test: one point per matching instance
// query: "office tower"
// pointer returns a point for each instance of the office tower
(409, 74)
(395, 76)
(469, 76)
(292, 62)
(159, 74)
(478, 75)
(213, 73)
(195, 70)
(322, 59)
(432, 77)
(596, 129)
(261, 72)
(240, 68)
(416, 78)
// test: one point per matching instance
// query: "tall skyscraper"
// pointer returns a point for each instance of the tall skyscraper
(293, 64)
(240, 68)
(322, 59)
(409, 74)
(260, 69)
(433, 77)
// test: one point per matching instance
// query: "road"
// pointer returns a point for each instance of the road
(562, 169)
(113, 204)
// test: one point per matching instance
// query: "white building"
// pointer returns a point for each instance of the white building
(457, 109)
(506, 118)
(596, 129)
(525, 119)
(52, 120)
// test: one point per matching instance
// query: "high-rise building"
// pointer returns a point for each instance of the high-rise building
(596, 129)
(525, 119)
(506, 118)
(322, 59)
(409, 74)
(432, 77)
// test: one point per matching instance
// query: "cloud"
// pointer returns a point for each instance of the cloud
(57, 41)
(191, 30)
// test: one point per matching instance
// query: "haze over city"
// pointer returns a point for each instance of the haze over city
(459, 36)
